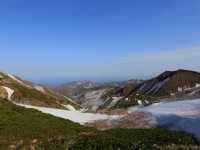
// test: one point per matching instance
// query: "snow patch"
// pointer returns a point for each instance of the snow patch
(139, 102)
(69, 99)
(114, 101)
(69, 107)
(197, 85)
(9, 91)
(39, 88)
(157, 86)
(146, 101)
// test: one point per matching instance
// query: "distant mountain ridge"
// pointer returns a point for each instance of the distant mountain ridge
(90, 94)
(169, 84)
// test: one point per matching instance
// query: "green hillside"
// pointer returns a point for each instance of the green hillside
(26, 92)
(134, 139)
(22, 128)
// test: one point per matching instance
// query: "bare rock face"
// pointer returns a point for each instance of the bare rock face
(132, 120)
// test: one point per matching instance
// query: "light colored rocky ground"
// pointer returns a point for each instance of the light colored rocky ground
(132, 120)
(92, 100)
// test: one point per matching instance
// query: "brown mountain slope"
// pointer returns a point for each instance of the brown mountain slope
(21, 91)
(169, 84)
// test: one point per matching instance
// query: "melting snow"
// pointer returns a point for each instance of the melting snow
(75, 116)
(179, 115)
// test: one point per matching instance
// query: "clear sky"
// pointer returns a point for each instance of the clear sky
(57, 40)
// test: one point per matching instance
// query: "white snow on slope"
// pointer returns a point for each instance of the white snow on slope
(179, 115)
(9, 91)
(139, 102)
(157, 86)
(69, 99)
(39, 88)
(19, 81)
(75, 116)
(69, 107)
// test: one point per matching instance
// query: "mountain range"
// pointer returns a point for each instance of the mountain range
(173, 85)
(53, 127)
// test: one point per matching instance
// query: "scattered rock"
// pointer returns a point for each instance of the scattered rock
(133, 120)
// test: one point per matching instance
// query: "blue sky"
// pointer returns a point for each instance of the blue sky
(58, 40)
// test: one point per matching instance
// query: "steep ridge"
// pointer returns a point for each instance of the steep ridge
(170, 82)
(168, 85)
(21, 91)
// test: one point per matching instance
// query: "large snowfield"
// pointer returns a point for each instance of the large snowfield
(75, 116)
(179, 115)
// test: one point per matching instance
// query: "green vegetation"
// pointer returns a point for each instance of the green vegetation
(33, 96)
(21, 128)
(27, 93)
(132, 139)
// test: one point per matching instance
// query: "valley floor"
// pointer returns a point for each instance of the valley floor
(179, 115)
